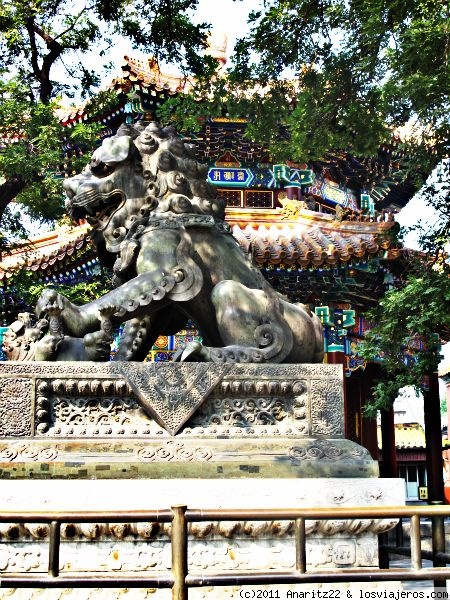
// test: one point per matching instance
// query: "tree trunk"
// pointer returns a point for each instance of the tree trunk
(433, 440)
(389, 451)
(8, 191)
(369, 425)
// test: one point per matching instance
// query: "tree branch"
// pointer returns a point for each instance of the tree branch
(34, 51)
(37, 29)
(8, 191)
(55, 51)
(71, 27)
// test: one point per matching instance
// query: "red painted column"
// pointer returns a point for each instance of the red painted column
(351, 431)
(336, 358)
(352, 407)
(358, 392)
(447, 397)
(292, 192)
(446, 453)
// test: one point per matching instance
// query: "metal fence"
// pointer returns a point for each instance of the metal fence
(180, 579)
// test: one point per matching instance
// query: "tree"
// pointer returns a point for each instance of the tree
(27, 287)
(32, 162)
(318, 75)
(404, 337)
(44, 44)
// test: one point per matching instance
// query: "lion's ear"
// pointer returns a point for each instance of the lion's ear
(115, 150)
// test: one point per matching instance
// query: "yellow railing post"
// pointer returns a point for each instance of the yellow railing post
(179, 552)
(53, 551)
(438, 544)
(300, 545)
(416, 551)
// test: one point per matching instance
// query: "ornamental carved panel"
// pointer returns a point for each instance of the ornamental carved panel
(326, 409)
(142, 399)
(268, 407)
(15, 407)
(171, 393)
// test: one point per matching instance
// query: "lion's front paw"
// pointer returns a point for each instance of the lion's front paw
(106, 311)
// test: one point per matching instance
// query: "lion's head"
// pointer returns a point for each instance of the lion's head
(141, 171)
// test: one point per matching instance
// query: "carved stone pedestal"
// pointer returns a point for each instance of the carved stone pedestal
(152, 420)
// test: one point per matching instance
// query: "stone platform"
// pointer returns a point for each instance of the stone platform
(152, 420)
(128, 548)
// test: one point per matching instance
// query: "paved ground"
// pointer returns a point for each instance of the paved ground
(426, 586)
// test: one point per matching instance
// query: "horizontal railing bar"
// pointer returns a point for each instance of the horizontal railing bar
(195, 515)
(343, 575)
(368, 512)
(228, 578)
(88, 516)
(426, 554)
(141, 580)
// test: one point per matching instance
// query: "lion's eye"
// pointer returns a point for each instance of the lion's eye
(99, 168)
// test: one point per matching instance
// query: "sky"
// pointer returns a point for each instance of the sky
(417, 210)
(225, 16)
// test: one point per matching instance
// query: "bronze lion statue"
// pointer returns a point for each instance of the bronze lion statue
(160, 225)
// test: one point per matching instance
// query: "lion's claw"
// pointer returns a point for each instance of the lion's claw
(53, 310)
(107, 311)
(50, 303)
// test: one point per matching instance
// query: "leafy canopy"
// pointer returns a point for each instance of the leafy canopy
(81, 292)
(44, 50)
(313, 76)
(413, 314)
(35, 36)
(404, 336)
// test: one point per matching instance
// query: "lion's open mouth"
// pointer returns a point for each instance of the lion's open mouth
(96, 207)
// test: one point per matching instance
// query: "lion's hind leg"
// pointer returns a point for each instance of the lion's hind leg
(250, 324)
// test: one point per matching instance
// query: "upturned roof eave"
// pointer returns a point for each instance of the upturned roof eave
(312, 240)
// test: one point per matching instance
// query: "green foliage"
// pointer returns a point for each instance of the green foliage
(43, 48)
(405, 320)
(419, 308)
(35, 36)
(313, 76)
(30, 288)
(78, 293)
(443, 406)
(434, 239)
(34, 158)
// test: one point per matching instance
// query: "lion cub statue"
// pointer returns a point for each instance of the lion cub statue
(160, 225)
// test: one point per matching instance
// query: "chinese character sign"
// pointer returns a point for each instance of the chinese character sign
(233, 177)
